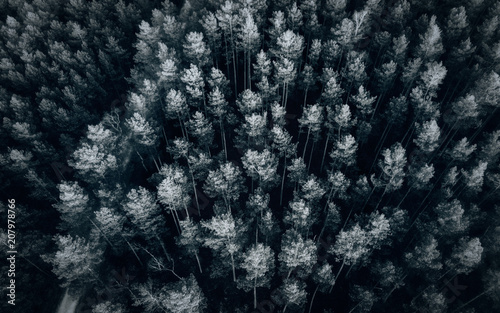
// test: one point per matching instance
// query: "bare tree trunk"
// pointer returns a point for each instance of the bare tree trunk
(324, 152)
(283, 182)
(198, 260)
(232, 264)
(312, 299)
(305, 146)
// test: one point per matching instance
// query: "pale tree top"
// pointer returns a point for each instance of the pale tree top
(466, 255)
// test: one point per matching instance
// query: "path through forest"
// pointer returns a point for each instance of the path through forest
(68, 303)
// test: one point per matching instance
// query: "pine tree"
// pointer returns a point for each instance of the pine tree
(475, 178)
(428, 136)
(172, 191)
(249, 42)
(343, 153)
(430, 47)
(258, 262)
(425, 256)
(227, 17)
(311, 119)
(194, 83)
(218, 107)
(74, 204)
(76, 261)
(296, 253)
(261, 166)
(211, 28)
(145, 214)
(466, 255)
(300, 216)
(201, 129)
(293, 292)
(195, 49)
(393, 167)
(224, 237)
(184, 296)
(225, 182)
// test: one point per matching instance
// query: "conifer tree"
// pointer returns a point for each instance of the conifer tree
(225, 236)
(75, 261)
(258, 262)
(225, 182)
(296, 253)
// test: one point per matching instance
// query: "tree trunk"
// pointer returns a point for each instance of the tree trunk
(198, 260)
(283, 182)
(337, 276)
(310, 156)
(305, 146)
(312, 299)
(255, 293)
(232, 264)
(324, 152)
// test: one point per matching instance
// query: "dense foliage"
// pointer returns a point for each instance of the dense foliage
(252, 156)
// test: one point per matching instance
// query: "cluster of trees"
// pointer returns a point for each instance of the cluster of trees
(235, 155)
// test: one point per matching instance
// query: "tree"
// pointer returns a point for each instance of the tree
(261, 166)
(300, 215)
(364, 103)
(311, 119)
(73, 206)
(195, 49)
(253, 132)
(425, 256)
(218, 107)
(430, 47)
(210, 26)
(144, 295)
(475, 178)
(140, 205)
(297, 253)
(262, 67)
(428, 136)
(109, 307)
(76, 260)
(461, 151)
(466, 255)
(430, 301)
(456, 23)
(192, 78)
(111, 225)
(433, 77)
(225, 233)
(451, 218)
(393, 167)
(323, 277)
(184, 296)
(343, 153)
(293, 292)
(258, 262)
(93, 162)
(289, 46)
(225, 182)
(176, 107)
(249, 102)
(285, 74)
(294, 17)
(227, 17)
(282, 141)
(249, 41)
(312, 191)
(172, 191)
(201, 128)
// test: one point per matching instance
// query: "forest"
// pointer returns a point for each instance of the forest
(256, 156)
